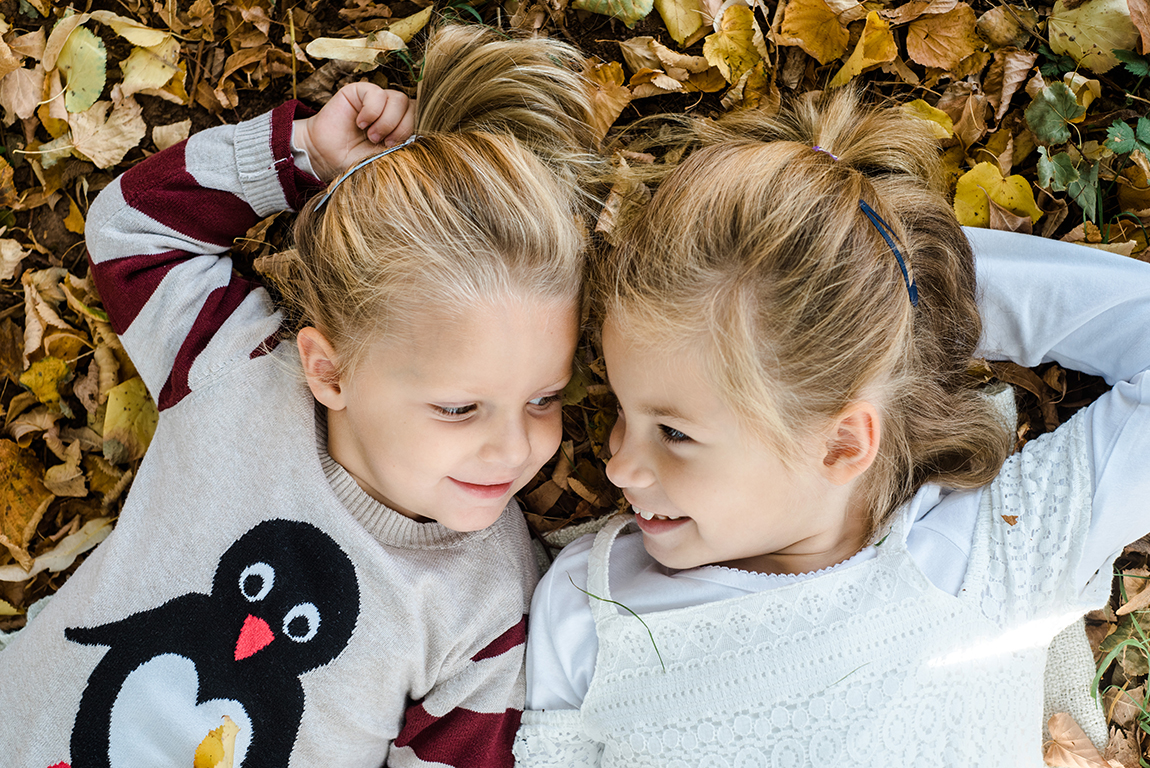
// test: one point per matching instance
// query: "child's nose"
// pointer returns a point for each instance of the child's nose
(508, 443)
(627, 467)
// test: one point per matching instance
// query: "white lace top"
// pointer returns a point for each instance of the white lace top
(991, 586)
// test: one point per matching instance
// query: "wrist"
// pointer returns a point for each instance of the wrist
(301, 142)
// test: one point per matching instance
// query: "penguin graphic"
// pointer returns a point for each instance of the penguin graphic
(284, 601)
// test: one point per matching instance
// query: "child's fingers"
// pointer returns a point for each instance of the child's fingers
(404, 128)
(390, 119)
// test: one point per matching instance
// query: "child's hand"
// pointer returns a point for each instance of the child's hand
(360, 120)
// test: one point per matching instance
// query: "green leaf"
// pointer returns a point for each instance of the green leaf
(1135, 64)
(1120, 137)
(1060, 173)
(83, 60)
(1143, 133)
(1056, 173)
(1051, 112)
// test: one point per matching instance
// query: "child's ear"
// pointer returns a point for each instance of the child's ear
(852, 443)
(320, 368)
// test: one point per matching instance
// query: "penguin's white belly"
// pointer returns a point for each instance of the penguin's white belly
(156, 722)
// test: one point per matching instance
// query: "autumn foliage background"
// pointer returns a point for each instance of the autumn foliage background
(1039, 112)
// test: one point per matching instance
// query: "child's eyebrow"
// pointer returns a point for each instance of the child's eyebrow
(664, 413)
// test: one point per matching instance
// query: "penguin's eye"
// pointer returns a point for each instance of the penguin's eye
(302, 622)
(256, 581)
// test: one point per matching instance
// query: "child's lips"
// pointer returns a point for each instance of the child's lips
(482, 490)
(651, 523)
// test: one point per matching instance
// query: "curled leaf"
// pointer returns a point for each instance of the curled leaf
(876, 46)
(985, 182)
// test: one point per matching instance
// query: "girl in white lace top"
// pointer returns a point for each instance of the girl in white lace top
(838, 561)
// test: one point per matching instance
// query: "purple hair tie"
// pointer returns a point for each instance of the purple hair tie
(817, 148)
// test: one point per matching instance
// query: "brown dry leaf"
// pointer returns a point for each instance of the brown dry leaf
(1140, 17)
(540, 500)
(731, 47)
(1010, 519)
(64, 553)
(67, 479)
(52, 113)
(967, 107)
(944, 40)
(20, 93)
(11, 346)
(9, 61)
(105, 138)
(876, 46)
(1069, 746)
(1123, 707)
(610, 96)
(1001, 28)
(11, 256)
(1122, 748)
(59, 36)
(23, 499)
(816, 28)
(908, 12)
(31, 44)
(1007, 73)
(1008, 221)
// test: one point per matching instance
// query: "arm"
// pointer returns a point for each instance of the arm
(469, 719)
(157, 234)
(1044, 300)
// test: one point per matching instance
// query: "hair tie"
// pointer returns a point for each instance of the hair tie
(817, 148)
(887, 233)
(323, 200)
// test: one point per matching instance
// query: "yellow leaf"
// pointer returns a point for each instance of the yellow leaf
(165, 136)
(683, 18)
(627, 11)
(217, 750)
(1091, 31)
(132, 31)
(43, 379)
(944, 40)
(816, 28)
(150, 67)
(985, 181)
(732, 48)
(83, 62)
(876, 46)
(129, 422)
(59, 37)
(941, 123)
(1084, 89)
(23, 499)
(7, 609)
(74, 221)
(406, 28)
(365, 50)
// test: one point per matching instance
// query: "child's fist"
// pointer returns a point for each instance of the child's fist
(360, 120)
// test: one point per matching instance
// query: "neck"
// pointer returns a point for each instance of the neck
(820, 550)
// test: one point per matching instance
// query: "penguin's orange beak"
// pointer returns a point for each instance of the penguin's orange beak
(254, 636)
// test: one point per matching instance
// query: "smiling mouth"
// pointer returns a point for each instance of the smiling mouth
(484, 491)
(647, 515)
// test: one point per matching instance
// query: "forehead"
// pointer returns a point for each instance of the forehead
(513, 341)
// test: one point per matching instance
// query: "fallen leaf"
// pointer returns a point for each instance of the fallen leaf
(164, 136)
(74, 221)
(20, 93)
(876, 46)
(129, 422)
(64, 553)
(1051, 111)
(7, 609)
(1085, 91)
(1009, 70)
(132, 31)
(682, 18)
(1001, 28)
(610, 96)
(731, 47)
(1089, 32)
(31, 44)
(1069, 747)
(627, 11)
(44, 379)
(909, 11)
(985, 182)
(11, 255)
(943, 40)
(406, 28)
(217, 750)
(1008, 221)
(939, 121)
(816, 28)
(1140, 17)
(23, 499)
(150, 67)
(1010, 519)
(83, 62)
(59, 37)
(365, 50)
(105, 138)
(67, 479)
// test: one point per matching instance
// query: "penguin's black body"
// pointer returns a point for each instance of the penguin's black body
(284, 600)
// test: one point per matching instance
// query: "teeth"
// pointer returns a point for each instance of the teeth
(650, 515)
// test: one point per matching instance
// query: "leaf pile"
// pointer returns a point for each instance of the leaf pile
(1040, 114)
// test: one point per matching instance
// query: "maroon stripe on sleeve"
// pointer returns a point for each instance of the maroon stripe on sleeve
(126, 284)
(266, 346)
(220, 305)
(513, 637)
(461, 738)
(162, 189)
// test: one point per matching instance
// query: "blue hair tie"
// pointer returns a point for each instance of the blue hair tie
(887, 233)
(326, 195)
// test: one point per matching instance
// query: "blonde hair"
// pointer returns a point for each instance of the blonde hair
(486, 203)
(755, 254)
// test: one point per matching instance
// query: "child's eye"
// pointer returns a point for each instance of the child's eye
(454, 411)
(546, 400)
(672, 435)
